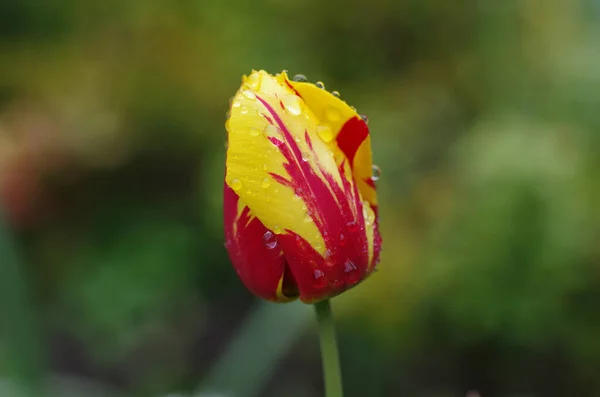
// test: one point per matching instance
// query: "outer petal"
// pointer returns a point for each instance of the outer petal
(301, 186)
(347, 129)
(254, 252)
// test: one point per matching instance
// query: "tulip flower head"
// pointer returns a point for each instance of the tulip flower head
(300, 205)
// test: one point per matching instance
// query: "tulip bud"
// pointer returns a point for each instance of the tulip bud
(300, 206)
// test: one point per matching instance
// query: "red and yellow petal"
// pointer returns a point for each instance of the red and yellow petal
(302, 186)
(254, 252)
(344, 128)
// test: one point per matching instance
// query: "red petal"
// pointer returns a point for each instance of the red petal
(255, 252)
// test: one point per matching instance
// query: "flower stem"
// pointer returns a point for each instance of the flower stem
(329, 351)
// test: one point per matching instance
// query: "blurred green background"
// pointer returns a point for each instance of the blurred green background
(485, 119)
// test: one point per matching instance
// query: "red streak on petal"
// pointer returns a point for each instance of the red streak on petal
(336, 210)
(279, 179)
(351, 136)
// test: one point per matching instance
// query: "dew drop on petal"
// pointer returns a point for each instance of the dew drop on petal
(308, 219)
(333, 114)
(352, 226)
(265, 167)
(249, 94)
(352, 274)
(236, 104)
(277, 229)
(335, 94)
(305, 156)
(320, 280)
(254, 132)
(269, 240)
(376, 173)
(320, 85)
(292, 104)
(244, 111)
(325, 133)
(349, 266)
(266, 183)
(235, 184)
(300, 78)
(253, 81)
(364, 118)
(273, 132)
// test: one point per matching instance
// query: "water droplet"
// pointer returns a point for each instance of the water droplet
(297, 139)
(320, 85)
(236, 104)
(376, 172)
(320, 280)
(277, 229)
(298, 191)
(333, 113)
(253, 81)
(349, 266)
(327, 255)
(325, 133)
(273, 132)
(352, 275)
(235, 184)
(249, 94)
(308, 219)
(266, 183)
(227, 125)
(352, 226)
(335, 94)
(300, 78)
(244, 111)
(364, 118)
(342, 239)
(292, 104)
(353, 108)
(254, 132)
(269, 240)
(305, 156)
(265, 167)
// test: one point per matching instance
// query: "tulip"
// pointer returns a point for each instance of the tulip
(300, 205)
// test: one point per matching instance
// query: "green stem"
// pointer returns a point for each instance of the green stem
(329, 351)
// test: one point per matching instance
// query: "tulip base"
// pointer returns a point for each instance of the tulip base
(329, 350)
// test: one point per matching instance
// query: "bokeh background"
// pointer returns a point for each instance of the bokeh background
(485, 119)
